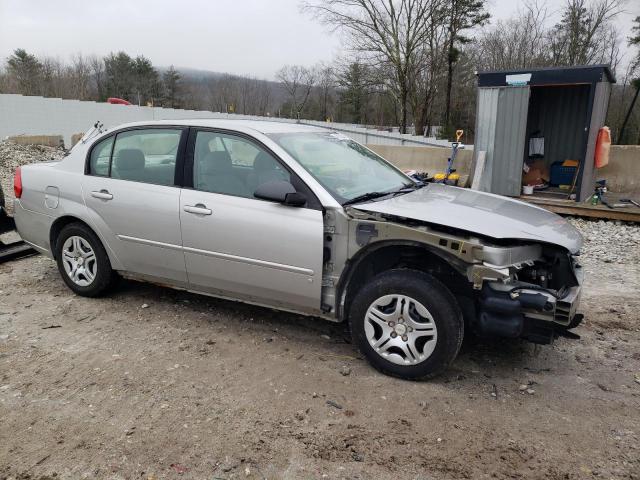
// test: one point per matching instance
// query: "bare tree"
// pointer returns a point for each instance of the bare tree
(263, 99)
(96, 65)
(326, 84)
(427, 77)
(519, 42)
(298, 81)
(390, 32)
(586, 34)
(223, 94)
(79, 73)
(634, 67)
(53, 78)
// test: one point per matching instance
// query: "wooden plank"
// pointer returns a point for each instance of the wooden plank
(479, 170)
(570, 207)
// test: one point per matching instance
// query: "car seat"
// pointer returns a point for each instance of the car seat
(215, 174)
(129, 164)
(265, 169)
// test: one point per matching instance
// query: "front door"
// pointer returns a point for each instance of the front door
(236, 245)
(132, 201)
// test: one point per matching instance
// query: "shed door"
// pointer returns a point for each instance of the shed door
(501, 133)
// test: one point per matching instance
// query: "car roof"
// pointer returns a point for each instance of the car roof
(262, 126)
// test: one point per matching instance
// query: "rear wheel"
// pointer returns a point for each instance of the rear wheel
(83, 261)
(407, 324)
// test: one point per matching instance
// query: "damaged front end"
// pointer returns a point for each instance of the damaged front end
(515, 288)
(535, 299)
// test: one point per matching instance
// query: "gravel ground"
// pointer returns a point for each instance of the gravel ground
(610, 241)
(13, 155)
(153, 383)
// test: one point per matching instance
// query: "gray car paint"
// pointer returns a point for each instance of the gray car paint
(481, 213)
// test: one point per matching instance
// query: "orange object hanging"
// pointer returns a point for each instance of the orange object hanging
(603, 145)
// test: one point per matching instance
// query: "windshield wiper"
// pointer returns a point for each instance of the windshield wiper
(366, 196)
(371, 195)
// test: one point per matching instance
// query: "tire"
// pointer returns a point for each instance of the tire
(425, 343)
(99, 277)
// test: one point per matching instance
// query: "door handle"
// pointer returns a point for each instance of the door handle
(102, 195)
(198, 209)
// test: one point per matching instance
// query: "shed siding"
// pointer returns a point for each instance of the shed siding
(511, 126)
(486, 118)
(598, 117)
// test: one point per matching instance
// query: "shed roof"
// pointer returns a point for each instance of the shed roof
(547, 76)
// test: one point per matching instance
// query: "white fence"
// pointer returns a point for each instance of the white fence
(22, 115)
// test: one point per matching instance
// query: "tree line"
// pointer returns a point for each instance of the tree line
(90, 78)
(408, 63)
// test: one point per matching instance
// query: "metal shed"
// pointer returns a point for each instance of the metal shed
(565, 107)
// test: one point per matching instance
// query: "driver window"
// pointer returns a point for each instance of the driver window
(232, 165)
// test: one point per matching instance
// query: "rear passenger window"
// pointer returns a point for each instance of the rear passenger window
(100, 158)
(232, 165)
(147, 156)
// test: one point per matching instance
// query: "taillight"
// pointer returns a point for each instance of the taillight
(17, 183)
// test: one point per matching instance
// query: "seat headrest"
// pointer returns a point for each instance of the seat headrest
(202, 148)
(263, 162)
(216, 162)
(129, 159)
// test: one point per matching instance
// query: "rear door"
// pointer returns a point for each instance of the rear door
(236, 245)
(131, 195)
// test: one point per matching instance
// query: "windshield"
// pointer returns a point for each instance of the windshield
(345, 168)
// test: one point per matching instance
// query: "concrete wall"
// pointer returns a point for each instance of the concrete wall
(26, 115)
(426, 159)
(622, 174)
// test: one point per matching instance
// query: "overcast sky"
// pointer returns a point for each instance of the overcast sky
(253, 37)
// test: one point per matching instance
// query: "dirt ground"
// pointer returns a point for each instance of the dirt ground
(153, 383)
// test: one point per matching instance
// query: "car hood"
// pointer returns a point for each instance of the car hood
(481, 213)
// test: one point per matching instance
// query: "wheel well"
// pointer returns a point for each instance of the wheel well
(379, 258)
(57, 227)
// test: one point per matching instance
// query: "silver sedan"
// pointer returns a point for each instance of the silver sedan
(306, 220)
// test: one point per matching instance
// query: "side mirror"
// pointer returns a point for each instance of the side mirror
(281, 192)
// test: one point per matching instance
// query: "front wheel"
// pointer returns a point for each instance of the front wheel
(83, 261)
(407, 324)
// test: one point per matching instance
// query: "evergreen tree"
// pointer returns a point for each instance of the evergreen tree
(26, 69)
(462, 15)
(355, 84)
(171, 80)
(119, 76)
(147, 81)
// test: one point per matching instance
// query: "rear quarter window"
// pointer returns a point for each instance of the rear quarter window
(101, 157)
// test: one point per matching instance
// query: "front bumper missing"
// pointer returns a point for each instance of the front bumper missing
(515, 311)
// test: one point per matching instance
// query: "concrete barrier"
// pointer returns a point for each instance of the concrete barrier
(622, 174)
(48, 140)
(431, 160)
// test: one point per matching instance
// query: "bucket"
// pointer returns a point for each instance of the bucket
(527, 189)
